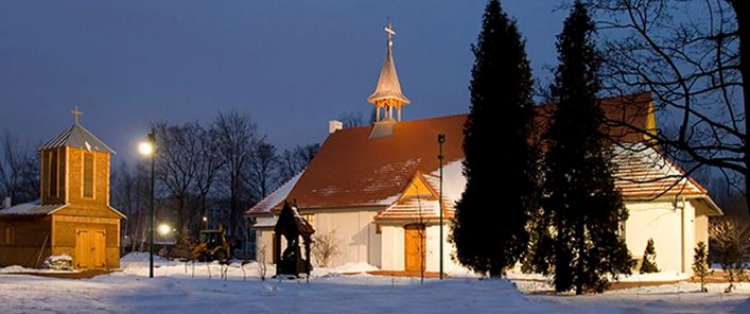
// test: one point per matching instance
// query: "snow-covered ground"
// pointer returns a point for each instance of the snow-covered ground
(181, 289)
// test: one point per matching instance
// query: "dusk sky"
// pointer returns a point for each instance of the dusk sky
(290, 65)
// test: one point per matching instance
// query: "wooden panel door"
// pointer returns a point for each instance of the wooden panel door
(83, 243)
(414, 247)
(90, 249)
(98, 248)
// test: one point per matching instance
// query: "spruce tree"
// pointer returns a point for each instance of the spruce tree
(489, 228)
(648, 265)
(581, 201)
(700, 264)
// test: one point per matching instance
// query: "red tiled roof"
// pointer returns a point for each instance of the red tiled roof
(350, 170)
(643, 172)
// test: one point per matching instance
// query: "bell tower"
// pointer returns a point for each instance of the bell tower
(387, 96)
(75, 168)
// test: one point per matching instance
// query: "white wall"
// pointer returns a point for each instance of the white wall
(667, 222)
(355, 233)
(393, 249)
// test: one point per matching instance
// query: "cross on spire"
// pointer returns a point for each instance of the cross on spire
(77, 113)
(389, 30)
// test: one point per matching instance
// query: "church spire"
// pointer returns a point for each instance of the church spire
(387, 95)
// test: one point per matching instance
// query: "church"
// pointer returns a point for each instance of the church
(73, 215)
(377, 189)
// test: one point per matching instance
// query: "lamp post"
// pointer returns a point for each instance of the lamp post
(441, 140)
(148, 148)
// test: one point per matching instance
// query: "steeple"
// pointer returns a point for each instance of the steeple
(387, 95)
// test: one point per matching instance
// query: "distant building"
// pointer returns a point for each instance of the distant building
(73, 215)
(376, 188)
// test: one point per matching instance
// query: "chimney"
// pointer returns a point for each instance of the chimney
(335, 125)
(6, 202)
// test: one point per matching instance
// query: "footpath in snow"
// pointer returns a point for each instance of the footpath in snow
(177, 289)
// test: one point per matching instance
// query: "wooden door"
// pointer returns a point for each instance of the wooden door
(414, 247)
(90, 248)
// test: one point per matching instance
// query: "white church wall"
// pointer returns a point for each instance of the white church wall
(433, 250)
(264, 242)
(662, 221)
(701, 230)
(355, 234)
(393, 248)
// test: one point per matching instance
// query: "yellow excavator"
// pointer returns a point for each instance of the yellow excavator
(212, 245)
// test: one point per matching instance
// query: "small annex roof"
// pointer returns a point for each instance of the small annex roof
(31, 209)
(422, 207)
(274, 199)
(77, 136)
(36, 209)
(642, 172)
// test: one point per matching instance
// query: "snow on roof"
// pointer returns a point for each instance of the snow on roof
(642, 172)
(277, 197)
(266, 222)
(454, 181)
(31, 208)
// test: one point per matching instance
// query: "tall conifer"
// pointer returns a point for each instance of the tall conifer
(489, 229)
(583, 205)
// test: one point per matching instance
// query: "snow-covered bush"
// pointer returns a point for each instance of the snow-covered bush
(59, 262)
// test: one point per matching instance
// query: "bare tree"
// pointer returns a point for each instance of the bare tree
(208, 164)
(693, 56)
(262, 264)
(264, 168)
(729, 240)
(130, 192)
(236, 137)
(293, 161)
(177, 161)
(19, 170)
(353, 119)
(325, 247)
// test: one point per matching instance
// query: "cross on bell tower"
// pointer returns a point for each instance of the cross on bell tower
(77, 113)
(388, 95)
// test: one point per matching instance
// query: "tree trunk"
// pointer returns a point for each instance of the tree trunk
(741, 14)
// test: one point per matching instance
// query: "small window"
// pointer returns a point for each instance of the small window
(8, 236)
(88, 175)
(53, 173)
(310, 219)
(378, 229)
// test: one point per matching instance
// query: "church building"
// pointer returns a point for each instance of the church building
(377, 189)
(73, 215)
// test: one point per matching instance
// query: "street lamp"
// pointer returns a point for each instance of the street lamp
(164, 229)
(441, 140)
(148, 148)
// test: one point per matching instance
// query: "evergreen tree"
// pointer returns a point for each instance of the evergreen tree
(648, 265)
(581, 201)
(700, 264)
(489, 227)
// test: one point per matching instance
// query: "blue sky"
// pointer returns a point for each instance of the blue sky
(290, 65)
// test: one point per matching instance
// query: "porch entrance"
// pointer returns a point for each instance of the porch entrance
(414, 247)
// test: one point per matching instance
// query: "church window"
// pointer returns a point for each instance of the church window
(310, 219)
(8, 235)
(53, 173)
(88, 175)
